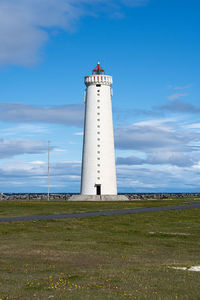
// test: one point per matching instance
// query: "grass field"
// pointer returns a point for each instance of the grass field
(29, 208)
(119, 257)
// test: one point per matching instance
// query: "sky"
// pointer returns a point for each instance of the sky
(150, 47)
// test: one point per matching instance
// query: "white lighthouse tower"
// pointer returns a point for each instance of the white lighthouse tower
(98, 178)
(98, 161)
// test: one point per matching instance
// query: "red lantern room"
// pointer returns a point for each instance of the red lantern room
(98, 70)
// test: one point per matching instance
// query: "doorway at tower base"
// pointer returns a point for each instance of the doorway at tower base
(98, 198)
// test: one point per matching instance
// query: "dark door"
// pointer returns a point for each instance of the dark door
(98, 186)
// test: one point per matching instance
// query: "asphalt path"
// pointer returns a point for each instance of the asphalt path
(100, 213)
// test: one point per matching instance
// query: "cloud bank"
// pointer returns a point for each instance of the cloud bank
(65, 177)
(174, 107)
(70, 115)
(159, 142)
(13, 147)
(18, 176)
(152, 135)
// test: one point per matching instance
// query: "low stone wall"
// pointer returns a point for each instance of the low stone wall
(66, 197)
(31, 197)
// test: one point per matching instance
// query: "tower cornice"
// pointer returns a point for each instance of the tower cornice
(98, 79)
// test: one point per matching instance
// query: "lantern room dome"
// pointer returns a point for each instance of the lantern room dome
(98, 70)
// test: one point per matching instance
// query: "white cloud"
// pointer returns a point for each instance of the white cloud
(71, 115)
(175, 106)
(154, 134)
(178, 87)
(173, 158)
(72, 143)
(165, 124)
(32, 176)
(159, 142)
(37, 162)
(176, 96)
(79, 133)
(193, 126)
(65, 176)
(158, 178)
(178, 106)
(188, 86)
(13, 147)
(162, 158)
(25, 129)
(26, 25)
(59, 150)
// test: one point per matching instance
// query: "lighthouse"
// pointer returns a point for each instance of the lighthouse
(98, 175)
(98, 159)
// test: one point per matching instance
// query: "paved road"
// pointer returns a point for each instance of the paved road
(99, 213)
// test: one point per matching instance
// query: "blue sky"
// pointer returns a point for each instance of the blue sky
(150, 47)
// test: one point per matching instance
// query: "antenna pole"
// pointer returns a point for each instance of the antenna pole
(48, 166)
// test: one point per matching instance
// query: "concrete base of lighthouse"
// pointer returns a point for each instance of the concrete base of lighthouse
(98, 198)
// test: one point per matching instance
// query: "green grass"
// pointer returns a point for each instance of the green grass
(119, 257)
(26, 208)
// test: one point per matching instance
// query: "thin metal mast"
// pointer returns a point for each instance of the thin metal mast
(48, 167)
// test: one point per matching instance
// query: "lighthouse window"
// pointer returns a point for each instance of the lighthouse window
(98, 100)
(98, 152)
(98, 171)
(98, 91)
(98, 179)
(98, 85)
(98, 145)
(98, 139)
(98, 158)
(98, 107)
(98, 165)
(98, 119)
(98, 126)
(98, 114)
